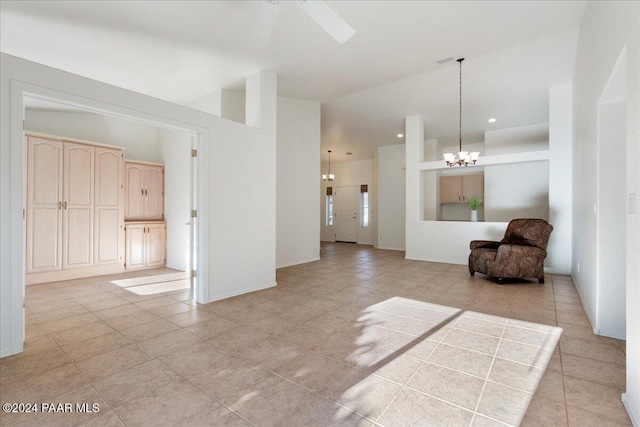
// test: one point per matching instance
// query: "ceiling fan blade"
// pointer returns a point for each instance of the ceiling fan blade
(330, 21)
(263, 25)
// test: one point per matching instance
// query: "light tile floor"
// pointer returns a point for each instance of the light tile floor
(361, 337)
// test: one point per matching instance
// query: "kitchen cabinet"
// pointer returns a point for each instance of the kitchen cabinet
(460, 188)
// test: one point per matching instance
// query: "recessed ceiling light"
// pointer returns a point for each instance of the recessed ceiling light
(400, 135)
(492, 120)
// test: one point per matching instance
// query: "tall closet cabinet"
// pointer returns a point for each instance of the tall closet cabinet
(75, 209)
(90, 212)
(145, 229)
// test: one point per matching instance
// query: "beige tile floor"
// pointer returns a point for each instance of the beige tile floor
(363, 337)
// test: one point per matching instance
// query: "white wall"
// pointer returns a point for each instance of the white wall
(298, 168)
(373, 201)
(612, 206)
(237, 166)
(607, 28)
(174, 150)
(210, 103)
(298, 182)
(430, 185)
(139, 139)
(517, 139)
(234, 105)
(347, 173)
(391, 197)
(516, 190)
(560, 192)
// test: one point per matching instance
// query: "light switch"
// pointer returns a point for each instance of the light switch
(632, 204)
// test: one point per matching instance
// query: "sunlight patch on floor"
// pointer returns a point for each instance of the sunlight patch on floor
(475, 365)
(155, 284)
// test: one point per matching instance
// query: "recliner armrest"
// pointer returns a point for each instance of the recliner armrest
(506, 250)
(483, 244)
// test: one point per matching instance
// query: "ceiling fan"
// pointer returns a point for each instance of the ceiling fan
(317, 10)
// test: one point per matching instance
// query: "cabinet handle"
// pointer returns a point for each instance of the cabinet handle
(142, 191)
(59, 205)
(146, 192)
(65, 206)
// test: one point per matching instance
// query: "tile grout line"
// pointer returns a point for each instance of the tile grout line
(564, 390)
(411, 377)
(484, 385)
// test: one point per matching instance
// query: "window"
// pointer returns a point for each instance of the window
(364, 205)
(329, 221)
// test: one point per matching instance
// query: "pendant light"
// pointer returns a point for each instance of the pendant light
(464, 157)
(330, 176)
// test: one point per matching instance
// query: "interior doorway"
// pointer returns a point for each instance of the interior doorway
(169, 151)
(346, 213)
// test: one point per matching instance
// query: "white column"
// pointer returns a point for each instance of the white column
(560, 175)
(261, 95)
(414, 137)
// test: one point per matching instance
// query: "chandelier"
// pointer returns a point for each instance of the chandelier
(330, 176)
(464, 157)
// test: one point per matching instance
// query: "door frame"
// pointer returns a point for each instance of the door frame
(20, 90)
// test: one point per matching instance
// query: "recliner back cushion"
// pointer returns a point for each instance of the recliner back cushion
(526, 231)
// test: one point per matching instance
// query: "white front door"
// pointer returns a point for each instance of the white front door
(346, 213)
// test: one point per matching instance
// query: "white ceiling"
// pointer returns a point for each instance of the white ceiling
(182, 50)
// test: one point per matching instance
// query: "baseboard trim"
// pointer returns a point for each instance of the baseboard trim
(585, 306)
(385, 248)
(635, 419)
(241, 292)
(298, 263)
(73, 273)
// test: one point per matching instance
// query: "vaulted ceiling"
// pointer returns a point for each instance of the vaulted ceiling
(182, 50)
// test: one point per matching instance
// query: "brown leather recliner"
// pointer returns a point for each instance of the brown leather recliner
(519, 255)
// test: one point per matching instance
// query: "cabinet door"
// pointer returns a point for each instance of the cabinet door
(472, 185)
(153, 192)
(44, 205)
(135, 236)
(77, 214)
(156, 238)
(134, 191)
(108, 206)
(450, 186)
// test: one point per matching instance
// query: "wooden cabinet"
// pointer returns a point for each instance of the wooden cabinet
(44, 205)
(146, 244)
(109, 207)
(460, 188)
(144, 191)
(77, 212)
(74, 209)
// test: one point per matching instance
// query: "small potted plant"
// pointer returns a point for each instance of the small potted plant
(474, 202)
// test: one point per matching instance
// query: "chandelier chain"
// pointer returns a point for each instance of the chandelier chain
(460, 115)
(464, 158)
